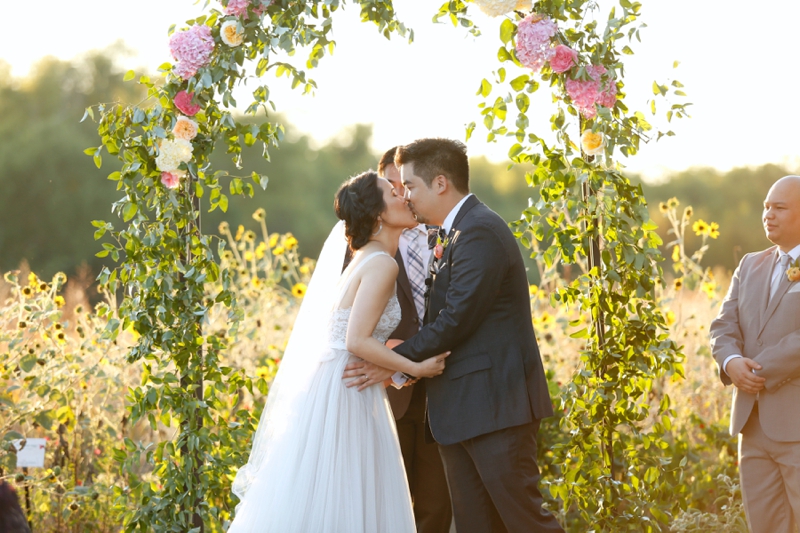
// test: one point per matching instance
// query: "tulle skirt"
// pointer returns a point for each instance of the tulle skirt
(338, 470)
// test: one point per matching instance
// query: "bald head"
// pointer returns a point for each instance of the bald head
(781, 215)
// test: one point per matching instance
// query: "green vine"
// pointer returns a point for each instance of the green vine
(165, 263)
(613, 477)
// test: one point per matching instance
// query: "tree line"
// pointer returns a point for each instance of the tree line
(50, 191)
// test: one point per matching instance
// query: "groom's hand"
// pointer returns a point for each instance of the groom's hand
(366, 374)
(740, 370)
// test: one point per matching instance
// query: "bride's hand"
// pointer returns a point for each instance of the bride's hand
(431, 367)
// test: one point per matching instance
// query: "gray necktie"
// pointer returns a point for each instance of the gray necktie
(782, 267)
(416, 270)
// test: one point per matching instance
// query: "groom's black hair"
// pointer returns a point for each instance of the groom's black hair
(437, 157)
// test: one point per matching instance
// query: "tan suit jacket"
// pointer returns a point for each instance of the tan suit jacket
(767, 331)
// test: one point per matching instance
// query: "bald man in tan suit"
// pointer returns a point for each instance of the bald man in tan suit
(755, 340)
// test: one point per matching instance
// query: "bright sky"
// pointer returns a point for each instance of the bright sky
(739, 66)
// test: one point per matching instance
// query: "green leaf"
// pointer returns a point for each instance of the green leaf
(91, 151)
(28, 362)
(485, 89)
(503, 55)
(519, 83)
(223, 203)
(129, 76)
(507, 31)
(129, 211)
(98, 160)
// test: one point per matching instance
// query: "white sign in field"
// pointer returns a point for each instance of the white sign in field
(32, 455)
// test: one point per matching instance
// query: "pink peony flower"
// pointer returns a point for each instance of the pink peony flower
(563, 59)
(183, 101)
(191, 49)
(171, 179)
(533, 41)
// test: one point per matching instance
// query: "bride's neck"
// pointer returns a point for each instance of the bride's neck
(387, 239)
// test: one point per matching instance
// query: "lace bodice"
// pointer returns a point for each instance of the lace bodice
(340, 317)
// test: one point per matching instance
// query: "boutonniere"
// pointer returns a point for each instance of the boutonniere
(793, 272)
(441, 246)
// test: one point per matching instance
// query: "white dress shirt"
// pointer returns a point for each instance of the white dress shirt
(447, 225)
(794, 253)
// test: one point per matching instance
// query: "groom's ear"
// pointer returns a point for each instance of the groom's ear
(440, 184)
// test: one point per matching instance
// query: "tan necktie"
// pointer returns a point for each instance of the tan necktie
(782, 267)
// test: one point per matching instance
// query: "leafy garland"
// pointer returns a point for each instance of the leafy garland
(613, 476)
(164, 261)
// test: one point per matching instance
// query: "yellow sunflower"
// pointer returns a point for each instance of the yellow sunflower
(299, 290)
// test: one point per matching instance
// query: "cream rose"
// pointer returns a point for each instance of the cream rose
(185, 128)
(229, 34)
(171, 153)
(592, 143)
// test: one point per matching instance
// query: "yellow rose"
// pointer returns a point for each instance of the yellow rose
(793, 274)
(592, 143)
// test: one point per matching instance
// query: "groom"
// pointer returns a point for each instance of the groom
(755, 340)
(484, 410)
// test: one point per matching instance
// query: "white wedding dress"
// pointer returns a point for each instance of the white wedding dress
(333, 465)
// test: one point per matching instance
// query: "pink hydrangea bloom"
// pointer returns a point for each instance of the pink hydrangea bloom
(183, 101)
(192, 49)
(238, 8)
(563, 59)
(585, 94)
(171, 180)
(533, 41)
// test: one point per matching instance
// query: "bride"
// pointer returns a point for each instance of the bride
(325, 457)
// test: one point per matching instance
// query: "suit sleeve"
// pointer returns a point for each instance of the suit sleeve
(726, 335)
(478, 266)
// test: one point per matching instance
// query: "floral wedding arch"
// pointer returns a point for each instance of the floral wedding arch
(613, 476)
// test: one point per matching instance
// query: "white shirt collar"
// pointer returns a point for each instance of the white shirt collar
(447, 225)
(794, 253)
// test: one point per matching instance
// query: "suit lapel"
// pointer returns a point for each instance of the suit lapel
(768, 305)
(469, 203)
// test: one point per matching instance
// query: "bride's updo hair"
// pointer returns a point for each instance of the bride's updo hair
(359, 202)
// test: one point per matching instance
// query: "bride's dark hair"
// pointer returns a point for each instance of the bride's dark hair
(359, 202)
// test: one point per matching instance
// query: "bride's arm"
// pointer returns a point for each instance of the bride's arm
(372, 294)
